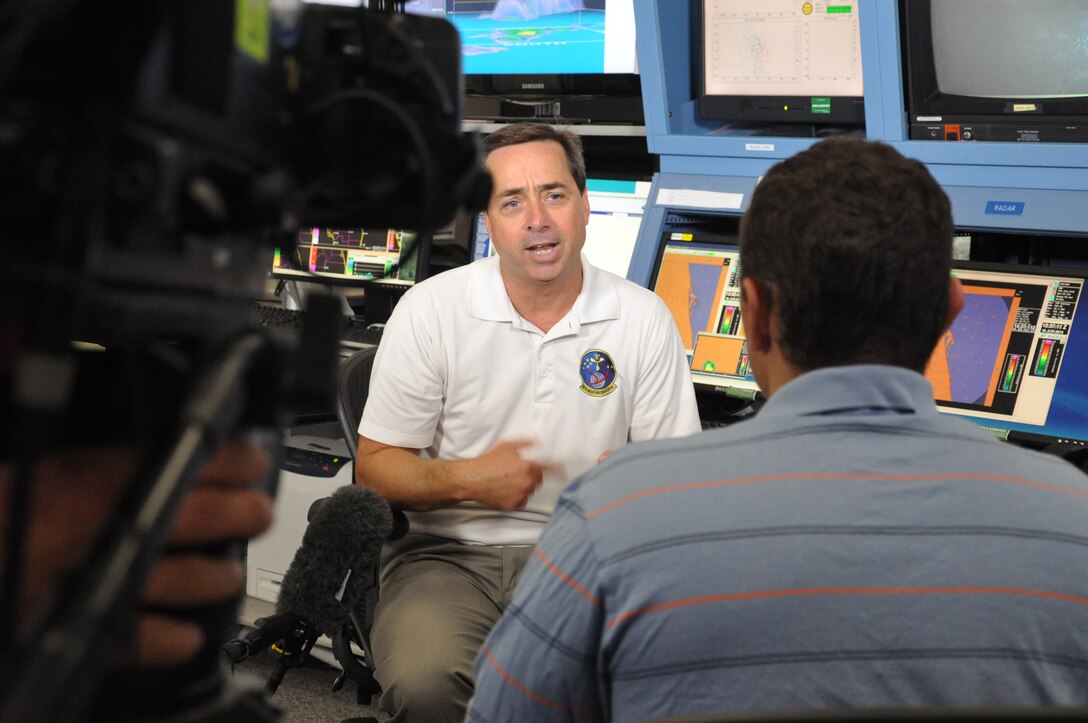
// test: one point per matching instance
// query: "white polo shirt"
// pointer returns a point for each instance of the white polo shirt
(458, 371)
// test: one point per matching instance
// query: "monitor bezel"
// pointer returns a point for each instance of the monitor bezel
(778, 109)
(925, 101)
(608, 96)
(422, 249)
(723, 233)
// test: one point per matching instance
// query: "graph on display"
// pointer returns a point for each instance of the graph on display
(780, 47)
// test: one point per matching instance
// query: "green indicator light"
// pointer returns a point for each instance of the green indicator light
(839, 9)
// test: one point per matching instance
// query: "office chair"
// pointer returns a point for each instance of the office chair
(354, 383)
(353, 386)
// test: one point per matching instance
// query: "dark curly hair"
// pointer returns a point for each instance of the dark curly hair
(852, 242)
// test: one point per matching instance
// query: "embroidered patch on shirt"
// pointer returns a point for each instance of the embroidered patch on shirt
(598, 373)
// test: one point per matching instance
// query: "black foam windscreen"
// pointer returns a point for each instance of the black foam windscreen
(340, 548)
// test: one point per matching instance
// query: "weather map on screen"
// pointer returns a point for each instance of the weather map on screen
(544, 36)
(967, 364)
(700, 284)
(1006, 359)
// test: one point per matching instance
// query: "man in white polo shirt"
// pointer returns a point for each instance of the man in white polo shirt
(494, 386)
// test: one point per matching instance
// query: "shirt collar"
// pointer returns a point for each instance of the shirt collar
(487, 299)
(857, 389)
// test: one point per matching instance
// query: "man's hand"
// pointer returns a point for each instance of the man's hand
(223, 508)
(75, 492)
(501, 478)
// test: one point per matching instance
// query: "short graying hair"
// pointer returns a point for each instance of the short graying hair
(527, 132)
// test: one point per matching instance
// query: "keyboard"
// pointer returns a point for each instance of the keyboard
(268, 315)
(359, 334)
(353, 332)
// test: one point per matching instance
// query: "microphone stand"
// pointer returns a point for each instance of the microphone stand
(290, 637)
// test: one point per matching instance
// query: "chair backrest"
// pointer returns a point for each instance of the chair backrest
(351, 396)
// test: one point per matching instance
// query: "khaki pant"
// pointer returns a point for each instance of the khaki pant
(438, 601)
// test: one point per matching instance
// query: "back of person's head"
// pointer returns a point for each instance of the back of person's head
(517, 133)
(852, 243)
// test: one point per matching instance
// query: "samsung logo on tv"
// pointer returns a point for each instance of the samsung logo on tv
(532, 86)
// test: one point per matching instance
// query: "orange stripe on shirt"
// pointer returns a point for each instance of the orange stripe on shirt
(800, 592)
(565, 578)
(830, 475)
(524, 689)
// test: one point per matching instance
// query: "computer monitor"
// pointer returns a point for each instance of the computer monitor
(1016, 359)
(698, 277)
(615, 216)
(353, 257)
(996, 70)
(616, 208)
(780, 61)
(579, 53)
(481, 240)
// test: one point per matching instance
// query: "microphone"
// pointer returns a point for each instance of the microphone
(400, 520)
(340, 547)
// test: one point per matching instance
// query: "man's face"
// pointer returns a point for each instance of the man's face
(536, 217)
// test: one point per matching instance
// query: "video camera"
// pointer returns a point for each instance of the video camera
(151, 157)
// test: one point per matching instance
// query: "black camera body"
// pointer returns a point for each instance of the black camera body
(147, 169)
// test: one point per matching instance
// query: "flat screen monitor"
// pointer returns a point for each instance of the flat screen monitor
(616, 208)
(539, 51)
(780, 61)
(996, 70)
(1016, 358)
(698, 278)
(353, 257)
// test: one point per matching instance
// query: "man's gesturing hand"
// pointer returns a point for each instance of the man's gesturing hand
(503, 479)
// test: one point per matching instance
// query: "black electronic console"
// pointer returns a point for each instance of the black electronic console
(147, 171)
(1020, 129)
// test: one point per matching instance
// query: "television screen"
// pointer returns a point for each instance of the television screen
(781, 61)
(987, 60)
(996, 70)
(504, 37)
(572, 59)
(542, 37)
(569, 59)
